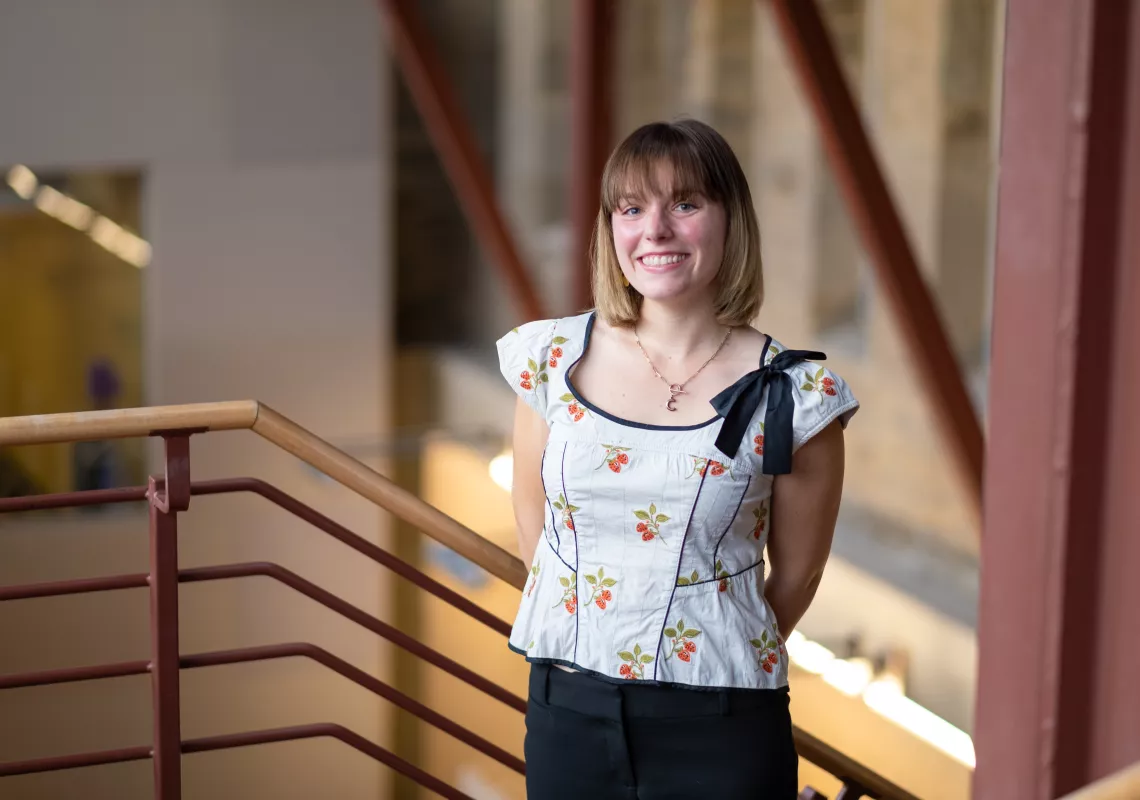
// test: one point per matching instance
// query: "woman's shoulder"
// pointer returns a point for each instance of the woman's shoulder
(530, 354)
(773, 347)
(548, 330)
(820, 395)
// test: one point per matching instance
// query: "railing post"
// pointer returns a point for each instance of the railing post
(167, 497)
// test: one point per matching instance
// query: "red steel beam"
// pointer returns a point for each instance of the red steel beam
(1114, 740)
(591, 118)
(1057, 705)
(447, 126)
(869, 202)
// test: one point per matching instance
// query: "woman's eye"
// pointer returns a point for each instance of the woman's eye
(686, 207)
(630, 211)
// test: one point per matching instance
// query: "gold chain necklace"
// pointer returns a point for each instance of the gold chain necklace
(678, 388)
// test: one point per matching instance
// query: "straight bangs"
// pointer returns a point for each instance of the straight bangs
(634, 170)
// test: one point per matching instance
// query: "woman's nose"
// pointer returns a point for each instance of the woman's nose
(657, 225)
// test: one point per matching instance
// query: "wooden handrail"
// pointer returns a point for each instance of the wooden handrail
(286, 434)
(1123, 785)
(127, 422)
(845, 768)
(343, 468)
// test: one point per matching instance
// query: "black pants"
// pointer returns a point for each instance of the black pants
(588, 738)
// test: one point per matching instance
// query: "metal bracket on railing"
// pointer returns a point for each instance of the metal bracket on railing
(172, 493)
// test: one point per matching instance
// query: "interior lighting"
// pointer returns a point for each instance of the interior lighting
(66, 209)
(886, 698)
(23, 181)
(106, 233)
(501, 469)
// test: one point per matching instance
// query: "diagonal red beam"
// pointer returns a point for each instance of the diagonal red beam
(591, 115)
(450, 132)
(869, 202)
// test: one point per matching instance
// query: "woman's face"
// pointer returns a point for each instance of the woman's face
(669, 247)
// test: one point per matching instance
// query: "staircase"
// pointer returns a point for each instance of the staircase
(169, 495)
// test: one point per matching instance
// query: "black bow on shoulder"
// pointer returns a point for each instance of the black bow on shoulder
(738, 403)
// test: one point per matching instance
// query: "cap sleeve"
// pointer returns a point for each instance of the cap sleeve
(821, 397)
(524, 354)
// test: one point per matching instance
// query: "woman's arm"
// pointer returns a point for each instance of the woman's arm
(805, 505)
(527, 495)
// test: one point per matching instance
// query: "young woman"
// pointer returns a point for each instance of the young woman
(661, 443)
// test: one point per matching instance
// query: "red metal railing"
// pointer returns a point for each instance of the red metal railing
(167, 497)
(170, 495)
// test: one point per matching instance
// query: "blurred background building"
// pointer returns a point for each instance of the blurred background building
(240, 199)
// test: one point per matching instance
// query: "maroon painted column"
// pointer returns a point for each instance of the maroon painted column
(1057, 703)
(167, 497)
(591, 119)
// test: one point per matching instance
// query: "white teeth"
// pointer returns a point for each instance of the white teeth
(660, 261)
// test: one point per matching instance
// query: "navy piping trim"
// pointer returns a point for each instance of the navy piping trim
(645, 682)
(553, 520)
(559, 556)
(767, 356)
(723, 577)
(728, 527)
(680, 556)
(611, 417)
(574, 530)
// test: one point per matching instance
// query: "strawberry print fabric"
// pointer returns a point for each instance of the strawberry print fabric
(650, 563)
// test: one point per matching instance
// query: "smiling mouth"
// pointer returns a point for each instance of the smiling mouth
(658, 261)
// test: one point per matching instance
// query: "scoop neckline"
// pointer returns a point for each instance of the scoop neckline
(621, 420)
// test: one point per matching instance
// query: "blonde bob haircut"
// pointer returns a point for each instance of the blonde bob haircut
(702, 165)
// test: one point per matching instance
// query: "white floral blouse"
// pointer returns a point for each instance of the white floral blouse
(651, 564)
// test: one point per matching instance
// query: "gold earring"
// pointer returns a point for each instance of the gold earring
(624, 281)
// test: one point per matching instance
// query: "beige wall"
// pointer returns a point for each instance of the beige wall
(259, 129)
